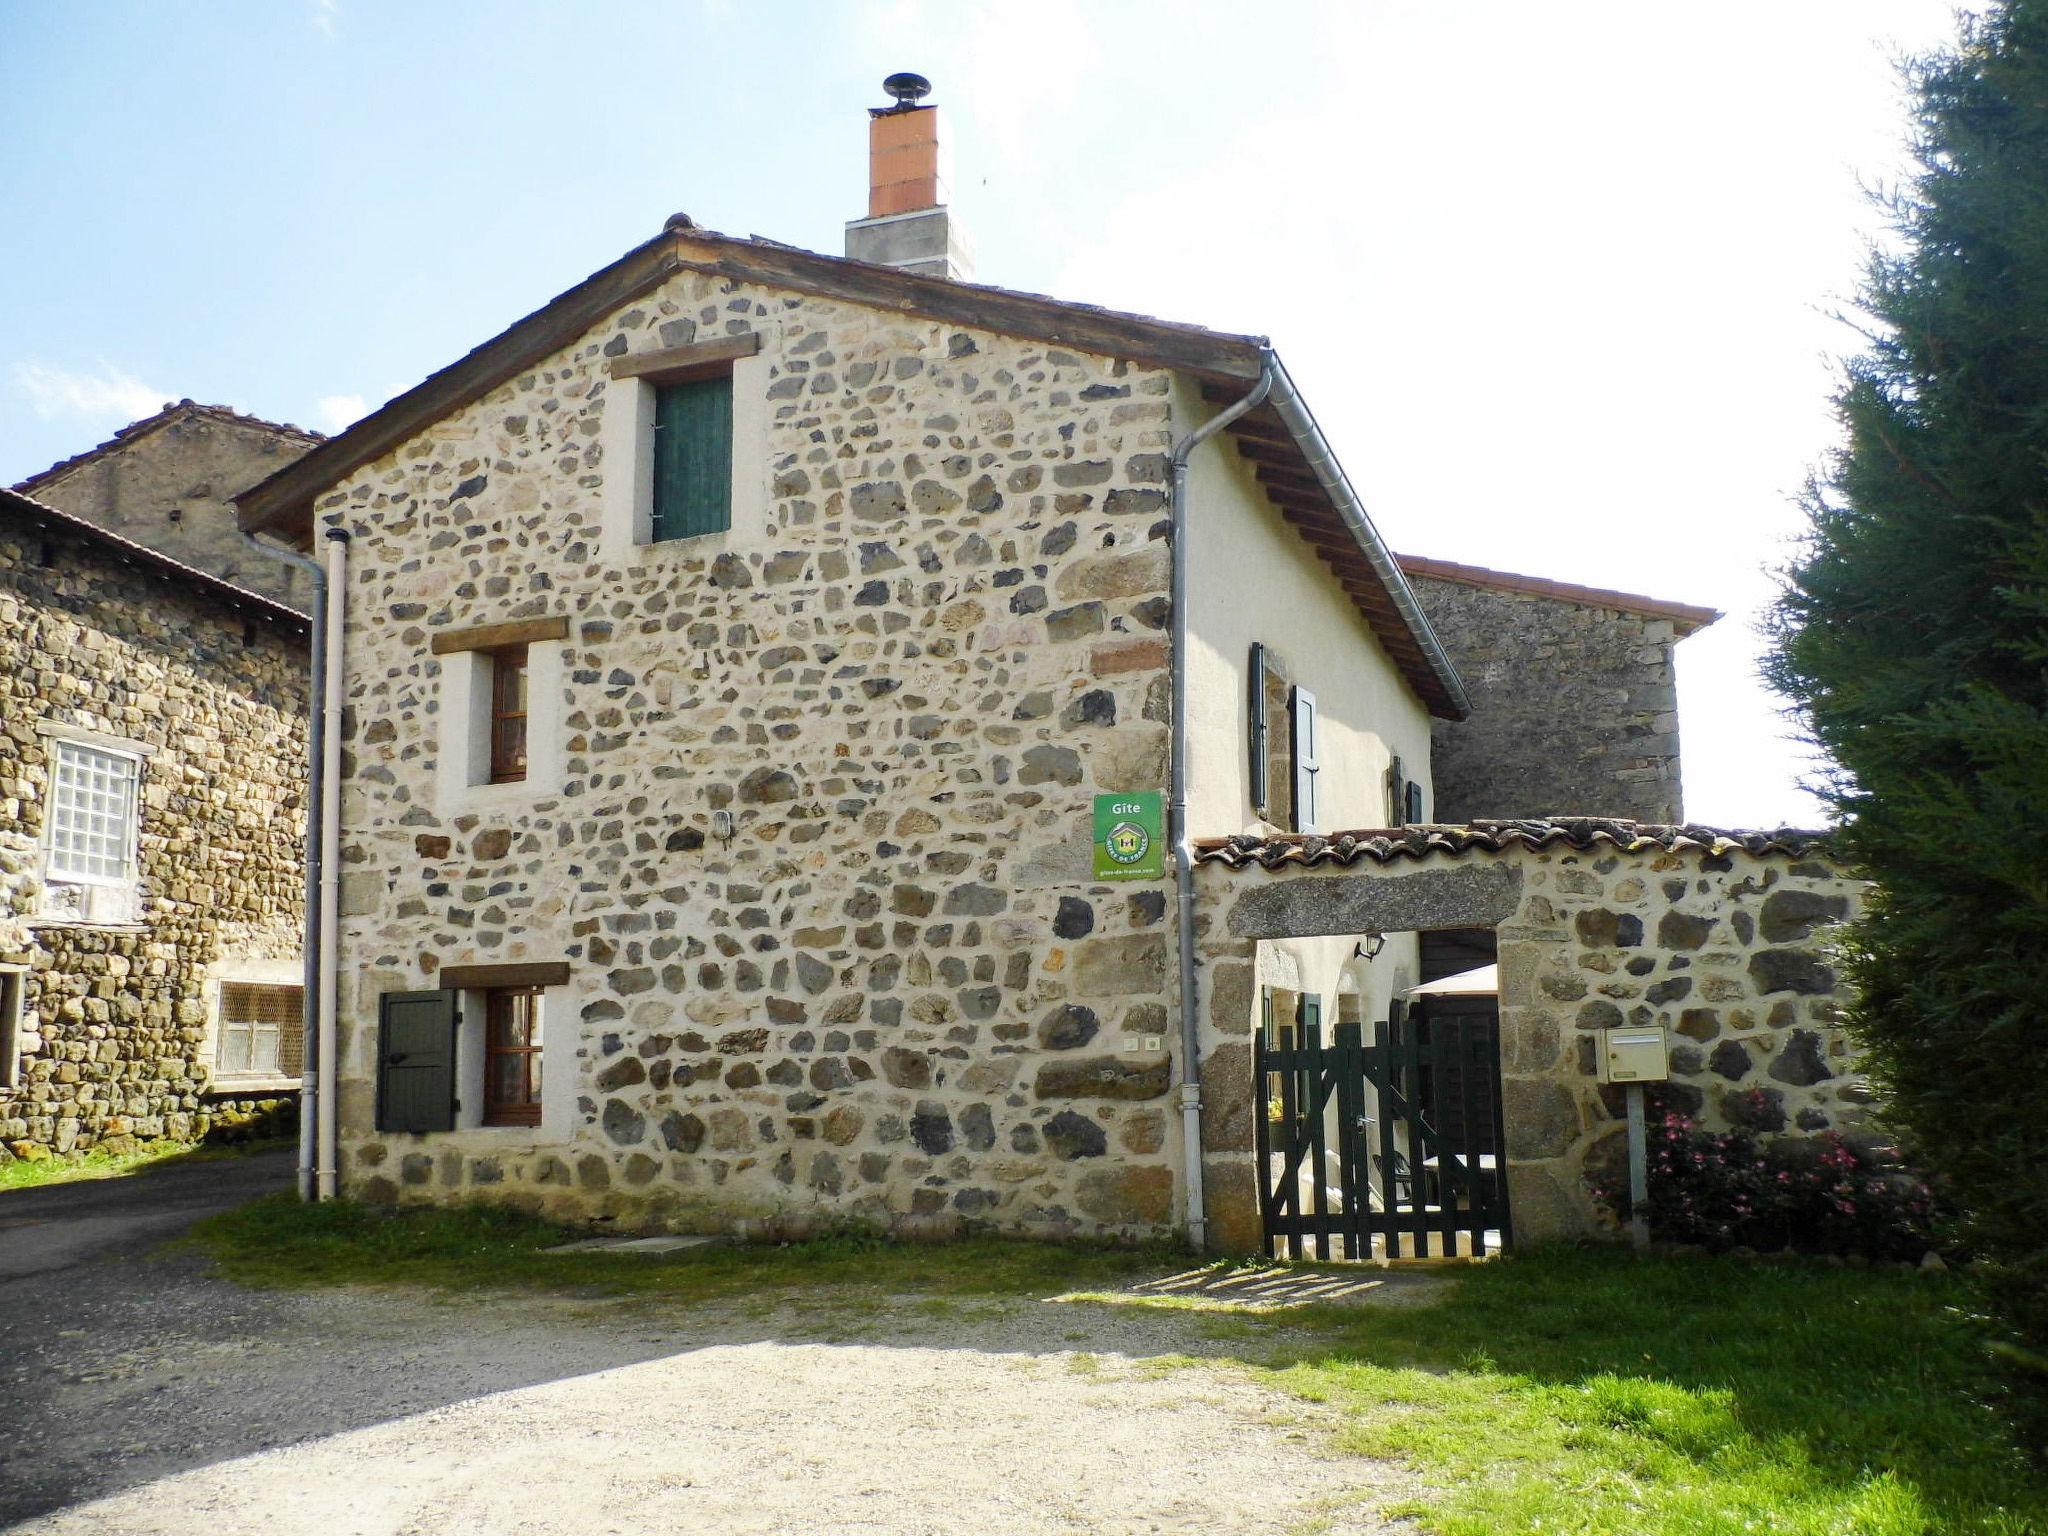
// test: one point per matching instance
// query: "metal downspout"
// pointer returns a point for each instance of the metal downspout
(309, 1065)
(1183, 837)
(330, 871)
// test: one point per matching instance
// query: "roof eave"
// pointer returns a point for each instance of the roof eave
(219, 588)
(1448, 699)
(144, 427)
(1685, 618)
(282, 505)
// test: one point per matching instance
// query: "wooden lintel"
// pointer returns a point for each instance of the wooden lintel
(671, 364)
(490, 637)
(527, 973)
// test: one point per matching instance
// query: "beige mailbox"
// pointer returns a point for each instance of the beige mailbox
(1634, 1055)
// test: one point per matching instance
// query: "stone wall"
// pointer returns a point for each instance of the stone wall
(1727, 949)
(934, 632)
(1574, 708)
(115, 1018)
(169, 486)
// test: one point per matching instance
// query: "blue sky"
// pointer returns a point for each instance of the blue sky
(1554, 277)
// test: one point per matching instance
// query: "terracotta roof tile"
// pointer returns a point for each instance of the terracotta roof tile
(1685, 617)
(1393, 844)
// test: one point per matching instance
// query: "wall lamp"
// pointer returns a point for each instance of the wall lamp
(1369, 949)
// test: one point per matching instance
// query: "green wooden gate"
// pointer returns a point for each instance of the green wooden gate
(1392, 1149)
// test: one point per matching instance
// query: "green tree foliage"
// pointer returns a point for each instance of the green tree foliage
(1913, 636)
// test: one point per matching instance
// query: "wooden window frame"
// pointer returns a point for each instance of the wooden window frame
(506, 662)
(500, 1006)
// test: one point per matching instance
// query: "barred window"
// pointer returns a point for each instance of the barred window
(92, 813)
(260, 1032)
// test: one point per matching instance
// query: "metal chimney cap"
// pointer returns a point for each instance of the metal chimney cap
(907, 88)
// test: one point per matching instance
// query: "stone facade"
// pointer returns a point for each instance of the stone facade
(1574, 706)
(166, 482)
(935, 630)
(1726, 948)
(114, 1029)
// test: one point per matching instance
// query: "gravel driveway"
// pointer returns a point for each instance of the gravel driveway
(147, 1396)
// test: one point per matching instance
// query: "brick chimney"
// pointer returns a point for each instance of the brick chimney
(908, 224)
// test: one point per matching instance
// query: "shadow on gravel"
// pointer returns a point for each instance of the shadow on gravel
(136, 1368)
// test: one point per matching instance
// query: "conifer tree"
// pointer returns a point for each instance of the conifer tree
(1912, 635)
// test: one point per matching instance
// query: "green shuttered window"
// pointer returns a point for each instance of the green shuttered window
(692, 458)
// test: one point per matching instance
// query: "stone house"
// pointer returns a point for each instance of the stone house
(152, 794)
(168, 481)
(1574, 695)
(734, 652)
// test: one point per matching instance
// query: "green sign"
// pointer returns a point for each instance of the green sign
(1130, 837)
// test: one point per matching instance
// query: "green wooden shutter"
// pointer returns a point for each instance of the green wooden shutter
(416, 1061)
(1257, 674)
(692, 459)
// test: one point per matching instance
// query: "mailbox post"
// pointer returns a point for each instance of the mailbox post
(1632, 1057)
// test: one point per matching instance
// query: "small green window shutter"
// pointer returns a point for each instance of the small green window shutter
(1257, 674)
(1414, 803)
(416, 1061)
(692, 458)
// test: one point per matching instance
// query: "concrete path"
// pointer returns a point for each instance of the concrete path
(59, 1226)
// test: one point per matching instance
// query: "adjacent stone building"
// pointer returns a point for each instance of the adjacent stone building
(1574, 696)
(152, 801)
(168, 481)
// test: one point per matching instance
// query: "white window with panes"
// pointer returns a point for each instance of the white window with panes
(92, 813)
(90, 831)
(258, 1032)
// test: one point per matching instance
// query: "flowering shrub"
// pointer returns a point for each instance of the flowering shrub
(1722, 1189)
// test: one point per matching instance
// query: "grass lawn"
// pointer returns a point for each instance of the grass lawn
(1581, 1391)
(20, 1173)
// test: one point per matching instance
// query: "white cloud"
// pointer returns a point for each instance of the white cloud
(105, 394)
(337, 411)
(321, 14)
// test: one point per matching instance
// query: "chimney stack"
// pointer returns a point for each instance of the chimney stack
(908, 225)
